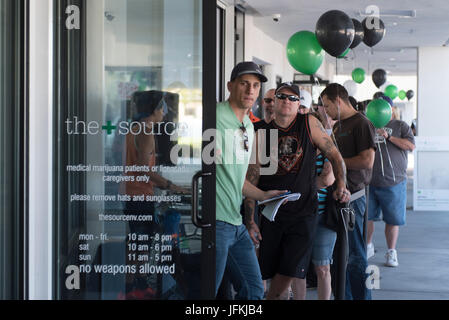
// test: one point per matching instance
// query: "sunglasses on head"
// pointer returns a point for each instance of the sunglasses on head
(245, 138)
(283, 96)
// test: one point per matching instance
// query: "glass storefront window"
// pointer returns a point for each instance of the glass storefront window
(130, 123)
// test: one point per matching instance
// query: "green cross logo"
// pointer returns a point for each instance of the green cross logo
(109, 128)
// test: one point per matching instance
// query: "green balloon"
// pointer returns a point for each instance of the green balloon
(304, 52)
(402, 94)
(358, 75)
(344, 53)
(391, 91)
(379, 112)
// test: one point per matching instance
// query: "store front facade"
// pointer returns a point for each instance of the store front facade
(118, 203)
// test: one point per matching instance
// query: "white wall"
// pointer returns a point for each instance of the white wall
(327, 69)
(433, 98)
(431, 178)
(259, 46)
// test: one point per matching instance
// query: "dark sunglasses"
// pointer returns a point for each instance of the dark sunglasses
(283, 96)
(268, 100)
(245, 138)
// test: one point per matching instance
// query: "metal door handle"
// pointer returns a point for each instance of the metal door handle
(195, 197)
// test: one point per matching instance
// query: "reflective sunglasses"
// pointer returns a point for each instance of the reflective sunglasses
(283, 96)
(245, 138)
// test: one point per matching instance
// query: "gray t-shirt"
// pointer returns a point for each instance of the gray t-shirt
(399, 161)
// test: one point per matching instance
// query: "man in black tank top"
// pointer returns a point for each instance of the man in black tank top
(286, 243)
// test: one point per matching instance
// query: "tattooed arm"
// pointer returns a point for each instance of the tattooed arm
(321, 139)
(252, 176)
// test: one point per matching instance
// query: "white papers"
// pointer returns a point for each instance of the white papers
(272, 205)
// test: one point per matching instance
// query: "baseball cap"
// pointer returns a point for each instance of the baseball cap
(288, 85)
(305, 99)
(247, 67)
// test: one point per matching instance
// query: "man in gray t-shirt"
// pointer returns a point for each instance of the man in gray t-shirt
(388, 187)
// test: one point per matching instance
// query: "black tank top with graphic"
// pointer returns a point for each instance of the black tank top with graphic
(296, 170)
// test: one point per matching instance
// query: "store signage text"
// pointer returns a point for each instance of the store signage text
(80, 127)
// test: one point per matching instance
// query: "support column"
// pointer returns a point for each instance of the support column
(431, 174)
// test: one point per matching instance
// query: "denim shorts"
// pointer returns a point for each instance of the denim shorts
(391, 201)
(324, 243)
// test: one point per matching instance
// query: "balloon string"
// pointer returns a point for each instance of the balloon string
(336, 66)
(381, 159)
(338, 110)
(338, 106)
(317, 82)
(354, 58)
(389, 160)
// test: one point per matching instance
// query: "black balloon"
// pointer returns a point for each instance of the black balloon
(378, 95)
(358, 35)
(379, 77)
(410, 94)
(335, 32)
(374, 31)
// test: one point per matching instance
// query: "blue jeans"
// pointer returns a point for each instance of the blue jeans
(235, 252)
(355, 273)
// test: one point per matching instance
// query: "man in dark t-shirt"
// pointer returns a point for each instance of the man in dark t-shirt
(354, 135)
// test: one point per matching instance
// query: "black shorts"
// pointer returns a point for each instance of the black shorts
(286, 246)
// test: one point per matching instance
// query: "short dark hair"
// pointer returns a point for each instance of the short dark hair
(334, 91)
(145, 103)
(361, 106)
(353, 102)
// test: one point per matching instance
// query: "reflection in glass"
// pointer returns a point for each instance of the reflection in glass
(143, 139)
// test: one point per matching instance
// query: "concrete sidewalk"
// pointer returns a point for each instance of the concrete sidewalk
(423, 255)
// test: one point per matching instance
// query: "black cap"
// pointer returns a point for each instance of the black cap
(247, 67)
(289, 85)
(388, 99)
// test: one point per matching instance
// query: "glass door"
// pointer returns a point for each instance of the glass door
(134, 218)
